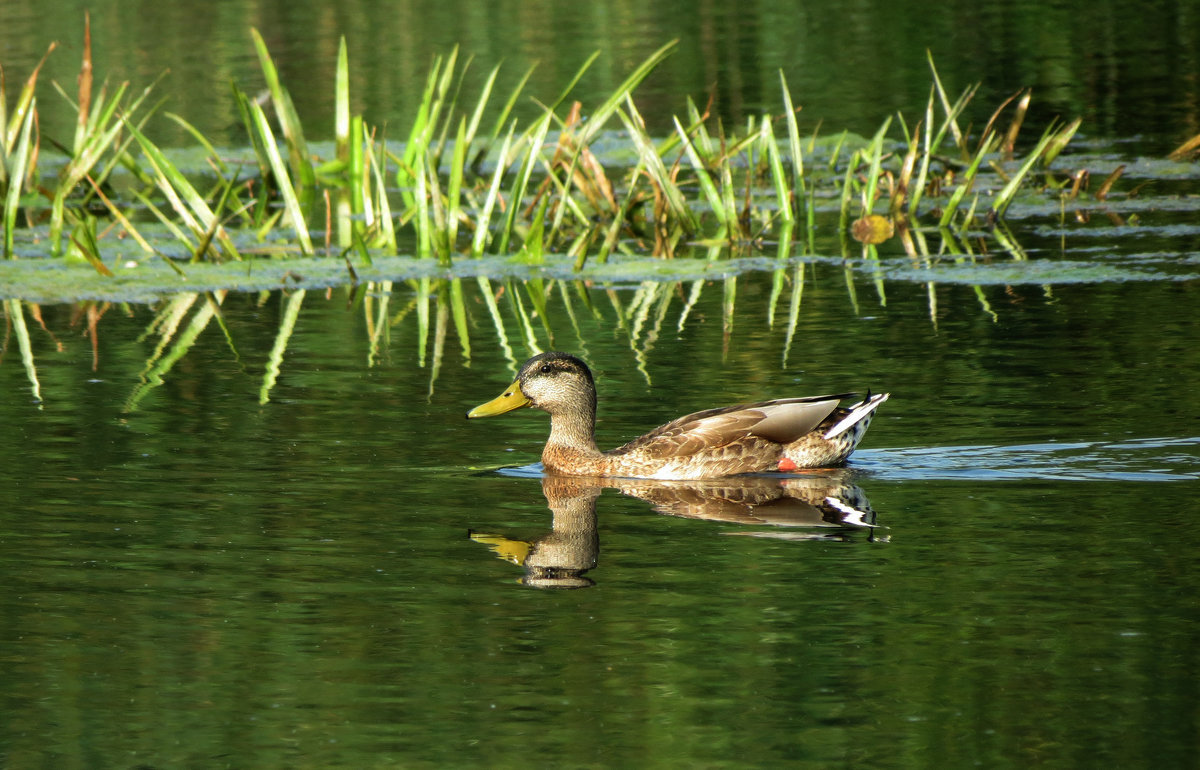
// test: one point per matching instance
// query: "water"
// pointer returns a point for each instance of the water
(209, 566)
(209, 582)
(1127, 69)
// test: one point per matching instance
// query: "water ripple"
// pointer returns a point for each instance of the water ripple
(1149, 459)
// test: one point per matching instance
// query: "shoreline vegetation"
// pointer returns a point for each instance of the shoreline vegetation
(493, 218)
(584, 183)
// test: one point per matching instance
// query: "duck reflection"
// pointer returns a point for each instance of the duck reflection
(819, 506)
(559, 558)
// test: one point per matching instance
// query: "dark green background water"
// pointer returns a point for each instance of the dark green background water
(205, 581)
(1129, 69)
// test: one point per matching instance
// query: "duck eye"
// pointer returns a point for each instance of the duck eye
(547, 369)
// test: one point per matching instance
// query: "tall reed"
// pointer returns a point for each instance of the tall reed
(534, 188)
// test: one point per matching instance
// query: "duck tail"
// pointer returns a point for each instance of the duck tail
(857, 413)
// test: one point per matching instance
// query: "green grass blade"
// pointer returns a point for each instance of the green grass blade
(1060, 140)
(875, 149)
(778, 175)
(285, 112)
(290, 201)
(20, 162)
(917, 190)
(480, 104)
(454, 188)
(166, 221)
(951, 111)
(709, 188)
(341, 103)
(24, 105)
(421, 131)
(383, 210)
(201, 139)
(437, 215)
(1008, 192)
(483, 219)
(989, 143)
(446, 102)
(600, 115)
(797, 152)
(188, 203)
(650, 159)
(521, 182)
(421, 202)
(506, 110)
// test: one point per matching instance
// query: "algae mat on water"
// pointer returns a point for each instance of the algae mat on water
(49, 281)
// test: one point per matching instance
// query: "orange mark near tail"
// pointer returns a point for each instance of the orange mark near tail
(787, 465)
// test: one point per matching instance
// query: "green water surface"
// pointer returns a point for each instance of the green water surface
(205, 581)
(251, 529)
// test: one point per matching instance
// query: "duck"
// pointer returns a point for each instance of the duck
(786, 434)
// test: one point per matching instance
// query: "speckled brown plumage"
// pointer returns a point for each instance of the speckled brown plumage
(784, 434)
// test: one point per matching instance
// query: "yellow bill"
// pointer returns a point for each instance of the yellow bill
(512, 398)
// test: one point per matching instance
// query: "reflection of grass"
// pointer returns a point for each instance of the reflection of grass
(286, 326)
(16, 317)
(173, 342)
(459, 189)
(425, 319)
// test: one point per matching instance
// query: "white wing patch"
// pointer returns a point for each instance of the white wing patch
(858, 413)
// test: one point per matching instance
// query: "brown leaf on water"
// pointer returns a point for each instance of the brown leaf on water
(1079, 181)
(990, 127)
(1102, 193)
(1186, 151)
(1014, 128)
(873, 229)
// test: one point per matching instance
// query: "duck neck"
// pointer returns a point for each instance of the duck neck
(576, 432)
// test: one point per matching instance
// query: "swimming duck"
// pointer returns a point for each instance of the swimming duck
(785, 434)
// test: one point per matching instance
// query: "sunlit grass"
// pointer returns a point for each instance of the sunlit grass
(456, 190)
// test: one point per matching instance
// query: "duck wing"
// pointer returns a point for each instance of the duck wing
(780, 421)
